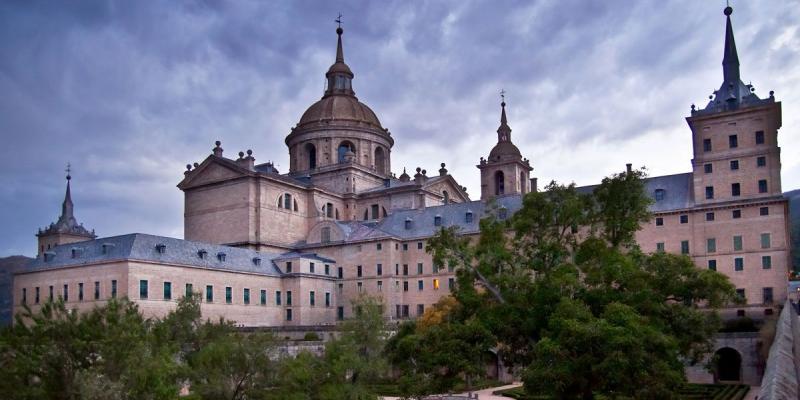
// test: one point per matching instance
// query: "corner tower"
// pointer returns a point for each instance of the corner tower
(735, 137)
(505, 172)
(66, 229)
(339, 141)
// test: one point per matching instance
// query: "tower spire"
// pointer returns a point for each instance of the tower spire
(67, 207)
(504, 131)
(730, 59)
(339, 31)
(339, 76)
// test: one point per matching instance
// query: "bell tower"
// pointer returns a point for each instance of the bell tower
(505, 172)
(66, 229)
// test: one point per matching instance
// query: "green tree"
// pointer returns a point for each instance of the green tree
(570, 298)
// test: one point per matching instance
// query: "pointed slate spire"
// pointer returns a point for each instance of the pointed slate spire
(504, 131)
(67, 206)
(730, 59)
(339, 75)
(339, 50)
(66, 223)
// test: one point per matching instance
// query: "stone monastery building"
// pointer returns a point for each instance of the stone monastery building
(292, 249)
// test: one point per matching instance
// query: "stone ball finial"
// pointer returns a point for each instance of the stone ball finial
(188, 167)
(339, 30)
(196, 165)
(249, 152)
(693, 106)
(771, 93)
(442, 164)
(218, 143)
(419, 169)
(241, 154)
(424, 172)
(728, 10)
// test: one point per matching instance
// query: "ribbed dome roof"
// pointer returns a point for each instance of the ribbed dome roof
(504, 151)
(340, 108)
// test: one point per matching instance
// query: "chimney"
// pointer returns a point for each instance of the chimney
(628, 167)
(534, 184)
(248, 162)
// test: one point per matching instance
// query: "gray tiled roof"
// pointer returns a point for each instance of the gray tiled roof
(138, 246)
(308, 256)
(677, 191)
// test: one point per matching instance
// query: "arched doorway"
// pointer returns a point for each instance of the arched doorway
(343, 150)
(727, 365)
(499, 183)
(311, 155)
(491, 365)
(380, 161)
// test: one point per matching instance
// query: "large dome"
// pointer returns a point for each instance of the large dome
(340, 109)
(504, 151)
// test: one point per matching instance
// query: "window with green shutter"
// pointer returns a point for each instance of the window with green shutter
(737, 243)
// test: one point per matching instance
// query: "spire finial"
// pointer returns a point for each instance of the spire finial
(730, 59)
(504, 131)
(339, 31)
(68, 171)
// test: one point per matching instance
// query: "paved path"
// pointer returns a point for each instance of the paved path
(485, 394)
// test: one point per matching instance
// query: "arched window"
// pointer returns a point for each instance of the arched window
(329, 210)
(295, 205)
(499, 184)
(285, 201)
(311, 155)
(344, 147)
(380, 161)
(446, 197)
(523, 186)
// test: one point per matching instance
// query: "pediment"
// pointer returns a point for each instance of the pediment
(448, 184)
(210, 171)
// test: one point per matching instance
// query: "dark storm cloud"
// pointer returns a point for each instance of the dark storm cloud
(129, 92)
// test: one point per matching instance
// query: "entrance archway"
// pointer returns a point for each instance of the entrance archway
(728, 365)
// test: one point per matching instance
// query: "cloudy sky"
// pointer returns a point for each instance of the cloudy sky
(130, 92)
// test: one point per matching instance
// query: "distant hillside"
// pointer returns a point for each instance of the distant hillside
(794, 218)
(7, 265)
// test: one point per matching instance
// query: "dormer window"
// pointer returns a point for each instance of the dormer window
(408, 223)
(221, 256)
(257, 261)
(49, 256)
(76, 252)
(202, 254)
(437, 220)
(161, 248)
(659, 194)
(106, 247)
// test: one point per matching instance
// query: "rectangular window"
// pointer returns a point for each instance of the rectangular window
(766, 262)
(706, 145)
(228, 294)
(733, 141)
(684, 247)
(709, 192)
(380, 286)
(288, 314)
(327, 299)
(311, 300)
(80, 291)
(435, 268)
(311, 268)
(24, 296)
(711, 245)
(288, 267)
(288, 297)
(167, 290)
(761, 161)
(277, 297)
(358, 271)
(736, 214)
(763, 211)
(420, 309)
(360, 287)
(435, 284)
(710, 216)
(50, 297)
(684, 219)
(209, 294)
(659, 221)
(419, 245)
(734, 165)
(762, 186)
(405, 269)
(737, 243)
(419, 268)
(419, 285)
(740, 294)
(66, 293)
(189, 290)
(759, 137)
(340, 313)
(708, 168)
(246, 296)
(379, 269)
(397, 269)
(263, 297)
(405, 286)
(143, 289)
(36, 294)
(405, 310)
(451, 283)
(735, 189)
(738, 264)
(327, 269)
(767, 294)
(765, 241)
(379, 246)
(712, 265)
(340, 273)
(341, 288)
(405, 246)
(96, 291)
(660, 247)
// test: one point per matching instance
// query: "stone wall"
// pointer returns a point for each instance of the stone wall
(782, 374)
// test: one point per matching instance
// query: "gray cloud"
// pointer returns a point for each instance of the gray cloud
(129, 92)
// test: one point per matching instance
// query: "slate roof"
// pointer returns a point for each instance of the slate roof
(138, 246)
(677, 188)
